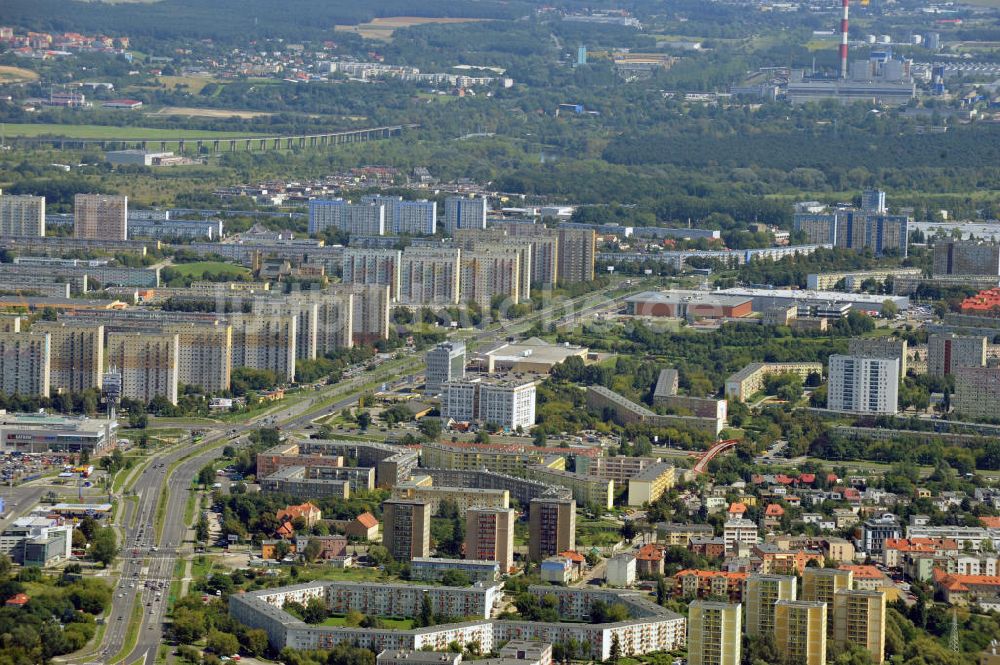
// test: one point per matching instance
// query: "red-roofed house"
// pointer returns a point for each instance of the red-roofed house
(703, 583)
(990, 522)
(308, 512)
(363, 526)
(772, 515)
(736, 510)
(807, 478)
(870, 578)
(894, 550)
(578, 561)
(962, 589)
(285, 531)
(17, 600)
(649, 561)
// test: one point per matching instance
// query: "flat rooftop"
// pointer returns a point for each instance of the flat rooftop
(535, 350)
(677, 296)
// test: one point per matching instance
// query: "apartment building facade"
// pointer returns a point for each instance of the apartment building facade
(100, 217)
(22, 215)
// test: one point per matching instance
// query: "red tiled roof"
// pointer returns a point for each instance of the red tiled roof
(990, 522)
(650, 552)
(737, 507)
(575, 557)
(18, 600)
(865, 572)
(807, 478)
(774, 510)
(367, 520)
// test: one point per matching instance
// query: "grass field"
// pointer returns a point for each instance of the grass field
(10, 74)
(199, 268)
(382, 28)
(395, 623)
(209, 113)
(29, 130)
(194, 84)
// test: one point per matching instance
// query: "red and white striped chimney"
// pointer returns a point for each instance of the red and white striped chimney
(843, 41)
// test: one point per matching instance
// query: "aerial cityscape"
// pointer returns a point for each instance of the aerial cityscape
(500, 332)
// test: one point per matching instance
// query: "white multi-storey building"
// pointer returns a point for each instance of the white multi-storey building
(464, 213)
(406, 217)
(509, 404)
(445, 362)
(863, 385)
(361, 219)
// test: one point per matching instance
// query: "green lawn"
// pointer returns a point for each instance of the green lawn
(28, 130)
(394, 623)
(198, 268)
(599, 533)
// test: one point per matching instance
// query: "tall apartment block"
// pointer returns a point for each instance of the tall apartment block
(22, 215)
(820, 584)
(461, 212)
(947, 352)
(147, 362)
(334, 319)
(714, 635)
(800, 628)
(762, 592)
(406, 217)
(496, 240)
(544, 250)
(977, 392)
(860, 230)
(77, 355)
(406, 529)
(265, 342)
(370, 316)
(489, 536)
(508, 404)
(306, 313)
(429, 275)
(24, 363)
(204, 354)
(373, 266)
(879, 347)
(551, 527)
(577, 251)
(445, 362)
(966, 258)
(324, 214)
(356, 219)
(100, 217)
(486, 274)
(863, 385)
(859, 619)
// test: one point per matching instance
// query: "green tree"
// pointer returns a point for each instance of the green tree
(426, 616)
(224, 644)
(312, 550)
(104, 546)
(616, 650)
(206, 476)
(430, 427)
(364, 419)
